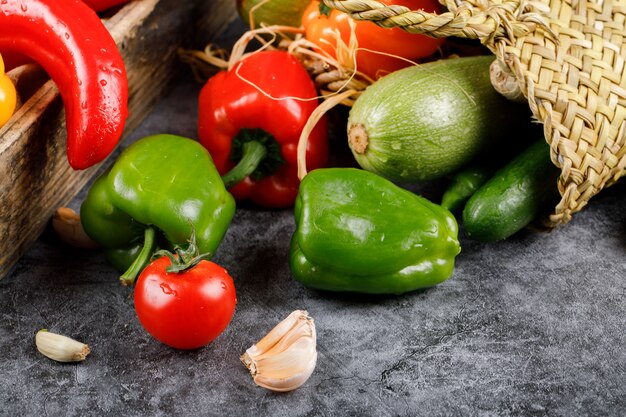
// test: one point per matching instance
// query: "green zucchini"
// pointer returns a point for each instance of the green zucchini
(274, 12)
(426, 121)
(514, 196)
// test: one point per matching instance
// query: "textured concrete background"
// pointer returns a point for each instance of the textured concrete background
(532, 326)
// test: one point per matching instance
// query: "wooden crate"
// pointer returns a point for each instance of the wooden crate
(35, 177)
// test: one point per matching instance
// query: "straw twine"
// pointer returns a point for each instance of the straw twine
(567, 58)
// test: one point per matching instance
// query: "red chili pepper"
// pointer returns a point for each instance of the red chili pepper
(72, 44)
(235, 116)
(14, 60)
(100, 5)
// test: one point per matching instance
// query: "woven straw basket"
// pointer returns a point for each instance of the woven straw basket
(566, 58)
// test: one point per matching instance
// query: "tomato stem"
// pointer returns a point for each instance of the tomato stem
(324, 9)
(129, 277)
(183, 260)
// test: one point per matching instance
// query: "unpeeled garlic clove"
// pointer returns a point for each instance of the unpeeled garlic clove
(60, 348)
(66, 223)
(285, 358)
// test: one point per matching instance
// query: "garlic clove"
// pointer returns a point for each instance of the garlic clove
(285, 358)
(66, 223)
(287, 371)
(60, 348)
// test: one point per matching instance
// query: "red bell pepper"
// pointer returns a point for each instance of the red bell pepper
(72, 44)
(266, 98)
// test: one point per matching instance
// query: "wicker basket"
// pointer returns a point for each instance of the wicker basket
(567, 59)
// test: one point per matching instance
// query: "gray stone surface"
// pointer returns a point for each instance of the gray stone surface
(532, 326)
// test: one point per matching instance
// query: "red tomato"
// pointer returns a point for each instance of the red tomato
(319, 29)
(188, 309)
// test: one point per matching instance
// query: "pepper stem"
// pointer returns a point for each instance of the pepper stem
(257, 155)
(253, 152)
(129, 277)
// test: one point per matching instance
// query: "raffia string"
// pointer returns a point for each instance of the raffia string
(330, 74)
(315, 117)
(255, 8)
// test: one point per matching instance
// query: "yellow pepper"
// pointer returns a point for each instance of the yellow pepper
(8, 95)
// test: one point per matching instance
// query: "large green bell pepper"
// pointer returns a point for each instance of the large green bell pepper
(356, 231)
(160, 189)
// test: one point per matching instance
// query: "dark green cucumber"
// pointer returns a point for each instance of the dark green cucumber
(427, 121)
(514, 196)
(464, 184)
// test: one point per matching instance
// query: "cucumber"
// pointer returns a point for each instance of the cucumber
(464, 184)
(426, 121)
(514, 196)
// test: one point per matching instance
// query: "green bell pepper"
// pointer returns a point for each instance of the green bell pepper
(358, 232)
(161, 189)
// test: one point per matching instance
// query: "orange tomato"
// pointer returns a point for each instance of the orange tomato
(320, 28)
